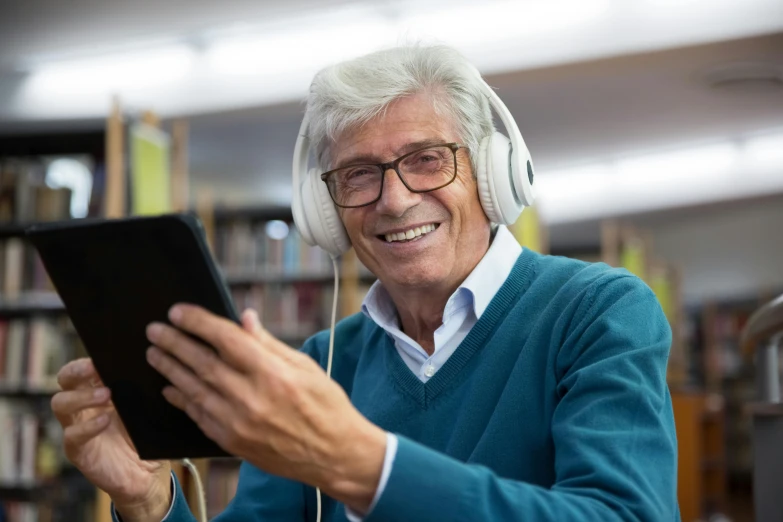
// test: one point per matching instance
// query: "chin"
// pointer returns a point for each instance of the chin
(413, 276)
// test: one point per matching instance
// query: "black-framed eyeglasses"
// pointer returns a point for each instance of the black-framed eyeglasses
(422, 170)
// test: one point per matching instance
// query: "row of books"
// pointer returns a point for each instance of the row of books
(291, 312)
(24, 195)
(21, 269)
(30, 446)
(244, 246)
(20, 512)
(32, 350)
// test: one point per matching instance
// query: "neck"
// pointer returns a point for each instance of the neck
(420, 309)
(421, 313)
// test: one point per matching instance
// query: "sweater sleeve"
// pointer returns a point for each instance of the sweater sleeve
(612, 430)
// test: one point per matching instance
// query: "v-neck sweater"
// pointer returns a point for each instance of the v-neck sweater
(553, 408)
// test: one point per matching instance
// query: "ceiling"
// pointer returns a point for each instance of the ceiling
(64, 60)
(39, 29)
(569, 115)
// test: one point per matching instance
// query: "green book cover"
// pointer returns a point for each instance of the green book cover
(150, 170)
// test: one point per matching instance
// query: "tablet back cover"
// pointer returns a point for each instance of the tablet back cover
(117, 276)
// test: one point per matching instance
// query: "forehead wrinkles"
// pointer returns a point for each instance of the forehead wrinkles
(444, 123)
(381, 151)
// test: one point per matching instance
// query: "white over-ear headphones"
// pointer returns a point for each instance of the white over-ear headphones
(504, 171)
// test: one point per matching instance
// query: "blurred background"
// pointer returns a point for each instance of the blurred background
(656, 127)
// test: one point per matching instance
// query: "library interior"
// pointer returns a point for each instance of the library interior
(656, 129)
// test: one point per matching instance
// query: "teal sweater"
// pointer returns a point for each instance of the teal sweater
(553, 408)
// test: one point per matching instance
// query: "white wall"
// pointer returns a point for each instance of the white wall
(725, 251)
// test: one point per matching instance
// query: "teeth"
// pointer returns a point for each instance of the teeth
(410, 234)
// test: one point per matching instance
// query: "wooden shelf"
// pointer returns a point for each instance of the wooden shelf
(31, 303)
(12, 230)
(223, 214)
(24, 493)
(713, 464)
(25, 392)
(228, 462)
(262, 278)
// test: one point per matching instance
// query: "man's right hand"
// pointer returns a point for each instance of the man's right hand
(97, 444)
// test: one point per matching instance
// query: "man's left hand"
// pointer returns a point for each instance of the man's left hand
(267, 403)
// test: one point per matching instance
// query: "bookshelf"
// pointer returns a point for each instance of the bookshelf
(272, 270)
(36, 339)
(699, 413)
(728, 371)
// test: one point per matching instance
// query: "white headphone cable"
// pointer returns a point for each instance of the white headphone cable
(200, 500)
(329, 363)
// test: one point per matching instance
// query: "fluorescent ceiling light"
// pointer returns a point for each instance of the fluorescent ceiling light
(462, 24)
(278, 57)
(721, 171)
(765, 150)
(141, 69)
(305, 43)
(677, 167)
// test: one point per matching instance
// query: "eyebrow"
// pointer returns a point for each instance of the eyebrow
(370, 159)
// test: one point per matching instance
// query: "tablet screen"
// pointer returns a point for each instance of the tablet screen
(117, 276)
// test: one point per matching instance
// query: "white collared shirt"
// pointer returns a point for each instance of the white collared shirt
(463, 309)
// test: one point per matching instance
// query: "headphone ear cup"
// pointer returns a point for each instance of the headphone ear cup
(323, 222)
(483, 172)
(298, 206)
(498, 190)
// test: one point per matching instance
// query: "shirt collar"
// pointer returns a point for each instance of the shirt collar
(478, 288)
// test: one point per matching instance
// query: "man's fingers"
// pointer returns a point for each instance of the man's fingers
(76, 435)
(252, 324)
(192, 387)
(175, 397)
(79, 373)
(226, 336)
(231, 341)
(198, 358)
(213, 428)
(66, 404)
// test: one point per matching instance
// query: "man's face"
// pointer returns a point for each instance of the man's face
(442, 257)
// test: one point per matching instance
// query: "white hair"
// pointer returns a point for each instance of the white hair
(352, 93)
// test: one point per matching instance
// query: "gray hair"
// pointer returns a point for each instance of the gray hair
(352, 93)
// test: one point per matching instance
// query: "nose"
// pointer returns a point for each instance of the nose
(396, 199)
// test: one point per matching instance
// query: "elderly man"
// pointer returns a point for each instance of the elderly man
(480, 382)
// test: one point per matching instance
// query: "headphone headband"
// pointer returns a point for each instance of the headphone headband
(520, 163)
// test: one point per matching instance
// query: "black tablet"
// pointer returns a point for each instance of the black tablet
(117, 276)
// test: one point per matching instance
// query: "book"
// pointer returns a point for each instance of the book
(33, 351)
(244, 246)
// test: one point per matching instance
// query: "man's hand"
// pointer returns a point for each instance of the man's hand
(267, 403)
(96, 442)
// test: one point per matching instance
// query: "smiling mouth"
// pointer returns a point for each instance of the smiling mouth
(413, 234)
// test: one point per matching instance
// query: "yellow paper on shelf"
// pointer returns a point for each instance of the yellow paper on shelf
(150, 170)
(632, 258)
(527, 229)
(659, 284)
